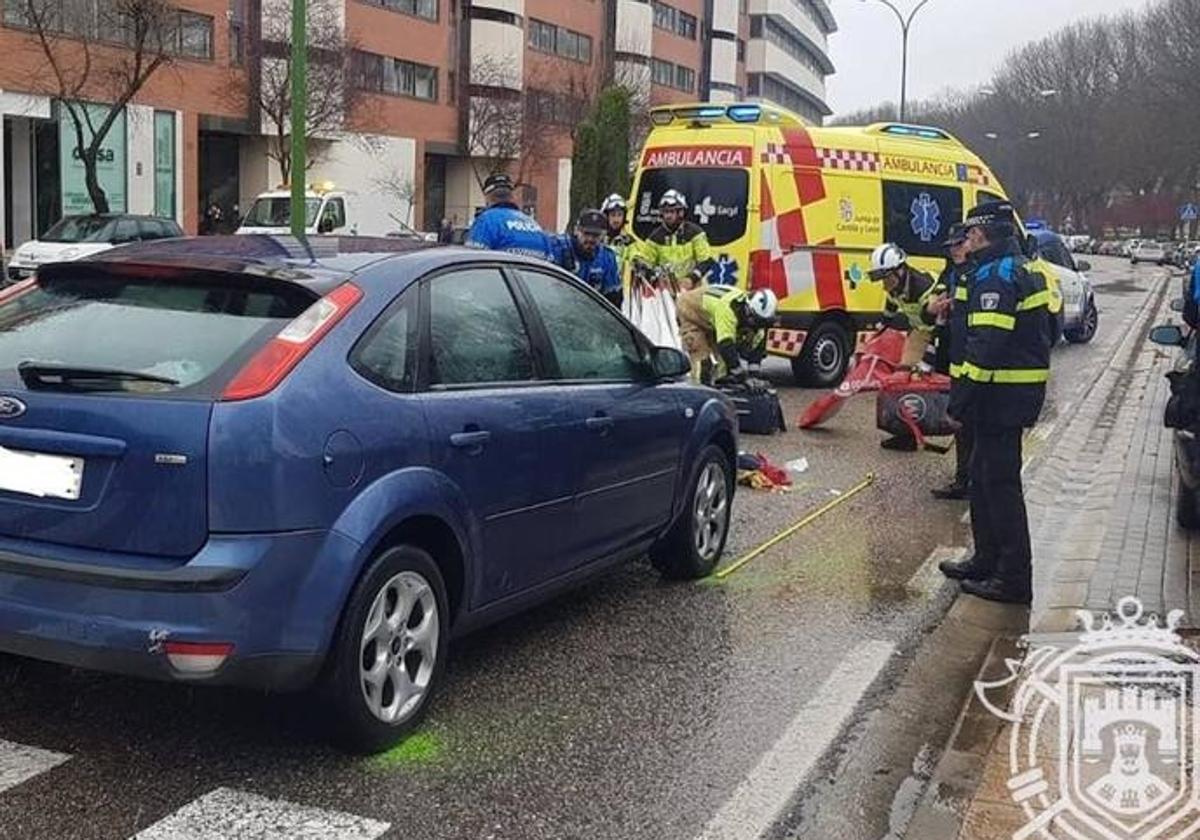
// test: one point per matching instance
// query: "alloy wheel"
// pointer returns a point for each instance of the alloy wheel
(710, 518)
(399, 647)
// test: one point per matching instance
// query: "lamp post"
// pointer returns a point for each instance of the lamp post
(905, 25)
(299, 111)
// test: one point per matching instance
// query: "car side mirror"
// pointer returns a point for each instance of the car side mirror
(1177, 305)
(1083, 265)
(669, 363)
(1168, 335)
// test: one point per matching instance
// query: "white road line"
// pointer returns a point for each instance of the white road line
(19, 763)
(761, 797)
(225, 813)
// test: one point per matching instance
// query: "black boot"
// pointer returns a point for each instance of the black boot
(899, 443)
(954, 491)
(999, 590)
(970, 569)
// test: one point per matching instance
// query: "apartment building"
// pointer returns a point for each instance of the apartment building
(432, 92)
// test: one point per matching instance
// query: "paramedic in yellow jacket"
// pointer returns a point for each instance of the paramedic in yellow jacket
(913, 300)
(677, 245)
(730, 322)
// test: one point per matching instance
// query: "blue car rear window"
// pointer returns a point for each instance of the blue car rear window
(186, 331)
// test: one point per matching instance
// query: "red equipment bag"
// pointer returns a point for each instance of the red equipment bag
(877, 360)
(917, 406)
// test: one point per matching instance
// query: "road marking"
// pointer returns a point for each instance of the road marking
(928, 576)
(226, 813)
(761, 797)
(19, 763)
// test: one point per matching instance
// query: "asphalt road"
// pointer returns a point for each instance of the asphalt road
(631, 708)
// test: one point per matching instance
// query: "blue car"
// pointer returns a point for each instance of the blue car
(235, 461)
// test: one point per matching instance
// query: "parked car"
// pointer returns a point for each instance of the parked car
(303, 467)
(76, 237)
(1147, 250)
(1079, 318)
(1187, 444)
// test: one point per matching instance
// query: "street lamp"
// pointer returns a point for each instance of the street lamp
(299, 71)
(905, 23)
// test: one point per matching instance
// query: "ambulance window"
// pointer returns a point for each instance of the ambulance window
(916, 216)
(717, 199)
(984, 196)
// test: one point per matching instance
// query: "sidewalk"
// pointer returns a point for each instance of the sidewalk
(1100, 491)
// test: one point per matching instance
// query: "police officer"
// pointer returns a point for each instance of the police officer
(951, 309)
(729, 321)
(999, 376)
(591, 260)
(677, 245)
(503, 227)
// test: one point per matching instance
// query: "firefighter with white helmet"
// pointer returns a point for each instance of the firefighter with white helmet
(914, 301)
(678, 246)
(729, 323)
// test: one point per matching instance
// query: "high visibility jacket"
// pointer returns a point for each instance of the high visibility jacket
(910, 299)
(620, 244)
(502, 227)
(1000, 377)
(719, 306)
(684, 252)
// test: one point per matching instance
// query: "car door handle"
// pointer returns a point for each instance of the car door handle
(470, 440)
(600, 423)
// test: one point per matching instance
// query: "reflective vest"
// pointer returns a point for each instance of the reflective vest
(1000, 375)
(681, 252)
(918, 289)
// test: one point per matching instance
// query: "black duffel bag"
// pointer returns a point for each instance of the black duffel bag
(758, 409)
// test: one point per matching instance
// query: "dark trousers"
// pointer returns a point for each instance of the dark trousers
(998, 518)
(964, 442)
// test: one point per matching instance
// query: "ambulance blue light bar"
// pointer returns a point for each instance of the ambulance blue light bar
(744, 113)
(919, 131)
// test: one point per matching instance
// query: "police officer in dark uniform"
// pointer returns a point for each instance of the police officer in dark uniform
(952, 318)
(503, 227)
(999, 372)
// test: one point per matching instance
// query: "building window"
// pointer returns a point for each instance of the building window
(672, 75)
(195, 35)
(558, 40)
(550, 108)
(768, 88)
(189, 35)
(765, 27)
(164, 164)
(237, 31)
(484, 13)
(427, 9)
(673, 20)
(394, 76)
(741, 53)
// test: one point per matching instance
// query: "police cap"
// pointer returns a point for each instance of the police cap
(956, 235)
(591, 221)
(498, 181)
(990, 214)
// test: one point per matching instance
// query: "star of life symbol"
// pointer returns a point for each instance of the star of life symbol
(1106, 733)
(926, 217)
(726, 271)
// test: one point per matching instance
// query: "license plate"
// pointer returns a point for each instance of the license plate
(37, 474)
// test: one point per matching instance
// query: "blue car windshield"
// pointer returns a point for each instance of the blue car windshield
(184, 332)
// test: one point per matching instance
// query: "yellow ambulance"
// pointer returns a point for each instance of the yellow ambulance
(798, 209)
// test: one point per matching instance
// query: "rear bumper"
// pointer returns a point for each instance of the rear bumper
(275, 597)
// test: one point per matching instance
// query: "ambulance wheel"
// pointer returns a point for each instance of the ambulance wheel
(826, 355)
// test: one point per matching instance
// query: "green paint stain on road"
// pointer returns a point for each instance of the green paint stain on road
(418, 748)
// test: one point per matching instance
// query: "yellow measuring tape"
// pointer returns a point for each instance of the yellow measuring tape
(787, 532)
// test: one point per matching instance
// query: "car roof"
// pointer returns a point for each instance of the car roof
(320, 266)
(111, 216)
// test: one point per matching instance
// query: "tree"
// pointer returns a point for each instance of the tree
(145, 34)
(334, 73)
(600, 165)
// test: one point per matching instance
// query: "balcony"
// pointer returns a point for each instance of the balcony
(498, 54)
(725, 16)
(513, 7)
(797, 20)
(635, 27)
(724, 61)
(762, 56)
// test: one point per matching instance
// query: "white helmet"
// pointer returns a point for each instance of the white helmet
(886, 258)
(672, 198)
(613, 202)
(762, 304)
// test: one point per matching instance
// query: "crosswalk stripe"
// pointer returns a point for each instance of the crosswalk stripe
(225, 813)
(19, 763)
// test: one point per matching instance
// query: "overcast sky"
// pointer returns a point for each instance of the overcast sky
(953, 43)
